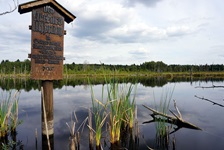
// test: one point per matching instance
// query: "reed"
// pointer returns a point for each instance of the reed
(99, 114)
(74, 133)
(14, 115)
(116, 111)
(122, 108)
(119, 106)
(8, 113)
(129, 105)
(163, 128)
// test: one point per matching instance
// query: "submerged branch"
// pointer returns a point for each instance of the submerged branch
(177, 120)
(175, 106)
(213, 86)
(214, 103)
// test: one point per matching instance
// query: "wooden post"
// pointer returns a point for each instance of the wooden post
(47, 101)
(47, 109)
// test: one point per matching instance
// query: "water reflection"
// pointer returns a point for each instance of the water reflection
(72, 96)
(28, 85)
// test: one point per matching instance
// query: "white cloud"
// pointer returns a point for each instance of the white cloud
(140, 54)
(148, 3)
(178, 30)
(116, 31)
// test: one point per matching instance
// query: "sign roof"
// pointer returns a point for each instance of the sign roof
(27, 7)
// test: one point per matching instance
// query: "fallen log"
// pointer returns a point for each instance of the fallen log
(175, 120)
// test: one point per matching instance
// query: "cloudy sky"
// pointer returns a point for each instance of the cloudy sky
(127, 31)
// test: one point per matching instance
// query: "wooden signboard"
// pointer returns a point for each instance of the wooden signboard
(47, 48)
(47, 44)
(47, 38)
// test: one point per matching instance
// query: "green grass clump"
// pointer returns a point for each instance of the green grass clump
(161, 125)
(122, 109)
(118, 105)
(100, 115)
(8, 113)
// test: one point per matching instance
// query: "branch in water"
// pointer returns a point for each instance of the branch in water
(176, 119)
(214, 103)
(213, 86)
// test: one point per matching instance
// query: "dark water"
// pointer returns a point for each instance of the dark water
(205, 114)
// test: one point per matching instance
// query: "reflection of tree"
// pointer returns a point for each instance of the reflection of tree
(205, 99)
(9, 82)
(11, 9)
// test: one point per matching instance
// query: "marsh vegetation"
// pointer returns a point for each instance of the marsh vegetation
(8, 118)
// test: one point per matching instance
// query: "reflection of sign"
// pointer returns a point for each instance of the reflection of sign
(47, 44)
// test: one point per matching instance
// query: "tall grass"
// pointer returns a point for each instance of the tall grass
(8, 113)
(129, 105)
(99, 114)
(162, 127)
(119, 106)
(122, 108)
(116, 111)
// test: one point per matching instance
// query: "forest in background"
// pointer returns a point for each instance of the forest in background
(24, 67)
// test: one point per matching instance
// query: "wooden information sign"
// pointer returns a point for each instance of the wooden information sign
(47, 48)
(47, 38)
(47, 44)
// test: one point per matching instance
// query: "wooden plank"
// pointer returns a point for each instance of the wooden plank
(47, 44)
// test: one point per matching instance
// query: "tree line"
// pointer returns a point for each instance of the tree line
(24, 67)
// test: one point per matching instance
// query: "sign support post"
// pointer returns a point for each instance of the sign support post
(47, 115)
(47, 49)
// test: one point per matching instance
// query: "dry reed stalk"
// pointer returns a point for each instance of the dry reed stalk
(73, 140)
(72, 144)
(75, 135)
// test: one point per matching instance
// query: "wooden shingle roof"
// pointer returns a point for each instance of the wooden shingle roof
(29, 6)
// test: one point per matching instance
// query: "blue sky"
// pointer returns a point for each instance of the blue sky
(127, 31)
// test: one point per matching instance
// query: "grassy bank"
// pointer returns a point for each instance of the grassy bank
(128, 74)
(147, 74)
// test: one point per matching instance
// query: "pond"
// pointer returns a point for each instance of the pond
(202, 107)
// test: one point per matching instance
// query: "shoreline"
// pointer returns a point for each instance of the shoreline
(129, 74)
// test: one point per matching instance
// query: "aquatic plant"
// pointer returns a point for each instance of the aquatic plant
(129, 105)
(75, 134)
(162, 127)
(116, 111)
(8, 113)
(14, 115)
(100, 115)
(122, 108)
